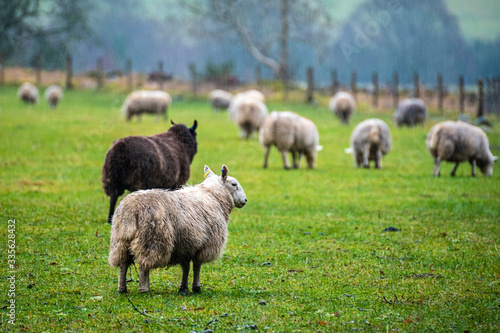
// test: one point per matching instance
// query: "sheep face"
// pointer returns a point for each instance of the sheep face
(231, 184)
(486, 166)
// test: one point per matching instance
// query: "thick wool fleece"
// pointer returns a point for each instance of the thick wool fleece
(163, 228)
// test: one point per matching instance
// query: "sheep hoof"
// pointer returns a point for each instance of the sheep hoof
(197, 289)
(122, 290)
(184, 291)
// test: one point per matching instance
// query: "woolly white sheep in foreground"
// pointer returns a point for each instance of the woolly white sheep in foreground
(146, 101)
(158, 228)
(220, 99)
(28, 93)
(457, 141)
(292, 133)
(343, 106)
(53, 94)
(410, 112)
(370, 140)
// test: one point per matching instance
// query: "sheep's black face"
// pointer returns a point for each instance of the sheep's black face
(486, 167)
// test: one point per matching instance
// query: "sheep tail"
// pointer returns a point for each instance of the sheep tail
(374, 135)
(123, 231)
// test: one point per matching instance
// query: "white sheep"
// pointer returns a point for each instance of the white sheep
(410, 112)
(343, 105)
(370, 141)
(220, 99)
(457, 141)
(158, 228)
(292, 133)
(53, 94)
(233, 106)
(250, 115)
(28, 93)
(146, 101)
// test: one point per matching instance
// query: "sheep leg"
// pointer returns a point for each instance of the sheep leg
(437, 163)
(296, 159)
(286, 165)
(453, 172)
(378, 161)
(122, 275)
(143, 280)
(266, 156)
(196, 276)
(473, 164)
(183, 289)
(112, 203)
(366, 162)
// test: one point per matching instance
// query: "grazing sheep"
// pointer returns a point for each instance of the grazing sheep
(146, 101)
(233, 106)
(250, 115)
(292, 133)
(370, 140)
(343, 106)
(456, 141)
(53, 94)
(410, 112)
(28, 93)
(144, 162)
(158, 228)
(220, 99)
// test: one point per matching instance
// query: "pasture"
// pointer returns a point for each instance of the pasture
(307, 253)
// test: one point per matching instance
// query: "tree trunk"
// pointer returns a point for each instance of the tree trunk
(283, 71)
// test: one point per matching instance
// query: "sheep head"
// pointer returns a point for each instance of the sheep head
(231, 184)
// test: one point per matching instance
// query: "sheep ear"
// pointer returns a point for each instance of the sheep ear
(193, 128)
(172, 122)
(224, 172)
(208, 172)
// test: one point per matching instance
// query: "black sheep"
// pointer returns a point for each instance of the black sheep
(145, 162)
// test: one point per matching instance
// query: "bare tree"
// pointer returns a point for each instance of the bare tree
(265, 27)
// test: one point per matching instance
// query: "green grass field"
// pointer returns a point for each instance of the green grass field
(310, 243)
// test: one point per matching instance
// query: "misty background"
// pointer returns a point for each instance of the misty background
(451, 37)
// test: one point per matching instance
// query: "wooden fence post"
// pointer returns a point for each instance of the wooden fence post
(353, 84)
(258, 75)
(335, 82)
(100, 75)
(395, 91)
(2, 70)
(310, 85)
(440, 92)
(130, 83)
(461, 93)
(375, 89)
(194, 78)
(69, 72)
(38, 69)
(480, 106)
(416, 85)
